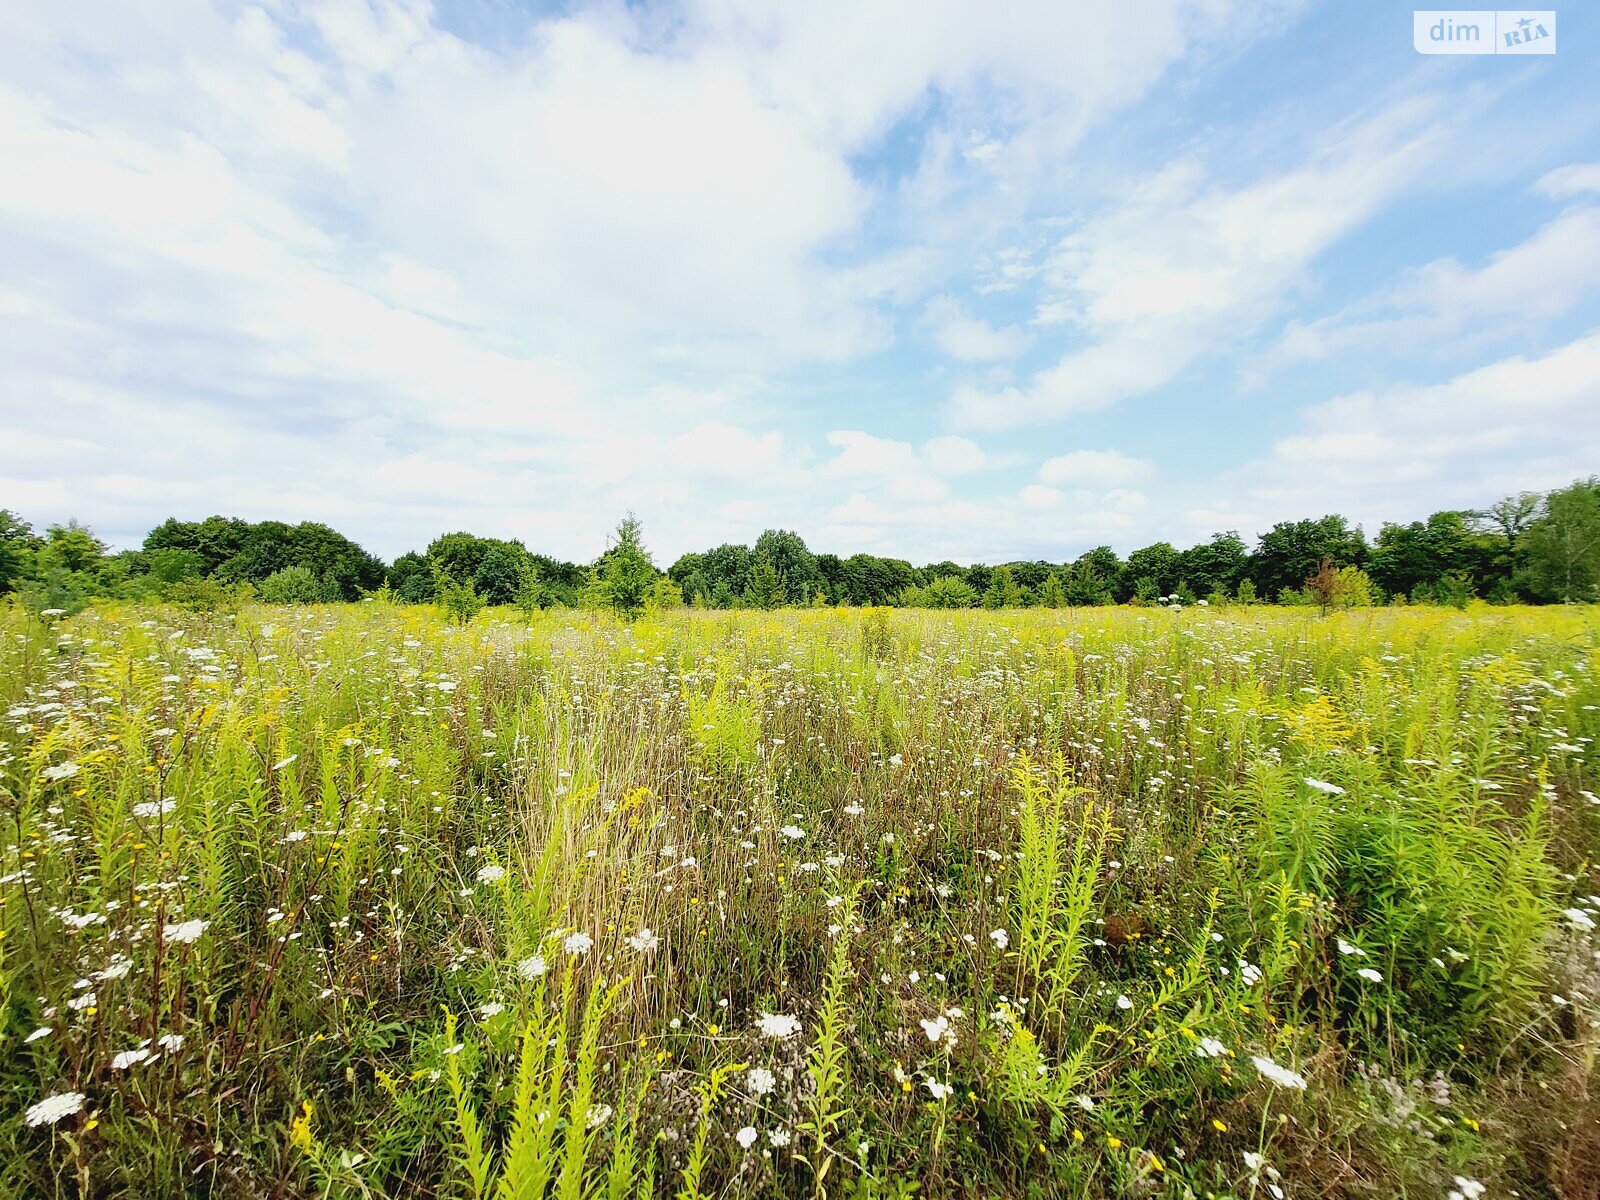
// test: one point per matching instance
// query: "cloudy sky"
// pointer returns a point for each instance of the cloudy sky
(933, 279)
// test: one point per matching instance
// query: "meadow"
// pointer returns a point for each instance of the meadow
(352, 901)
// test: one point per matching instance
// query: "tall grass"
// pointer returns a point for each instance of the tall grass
(352, 901)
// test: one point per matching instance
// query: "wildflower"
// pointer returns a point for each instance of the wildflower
(1370, 975)
(1347, 948)
(598, 1115)
(43, 1031)
(1466, 1189)
(939, 1091)
(491, 1009)
(1579, 919)
(154, 808)
(1124, 1003)
(491, 873)
(1249, 972)
(854, 810)
(52, 1108)
(130, 1058)
(1000, 938)
(1281, 1076)
(778, 1025)
(935, 1029)
(300, 1135)
(284, 762)
(746, 1137)
(792, 832)
(778, 1138)
(1209, 1047)
(531, 967)
(184, 932)
(1332, 789)
(644, 941)
(760, 1081)
(60, 771)
(1253, 1162)
(170, 1042)
(577, 943)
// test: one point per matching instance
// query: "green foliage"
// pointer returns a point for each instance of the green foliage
(1562, 547)
(766, 588)
(625, 575)
(297, 585)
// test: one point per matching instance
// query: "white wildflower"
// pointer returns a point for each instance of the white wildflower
(1370, 975)
(1281, 1076)
(491, 873)
(760, 1081)
(532, 967)
(1209, 1047)
(59, 772)
(1000, 938)
(746, 1137)
(1332, 789)
(131, 1058)
(184, 931)
(577, 943)
(778, 1025)
(52, 1108)
(1579, 919)
(644, 941)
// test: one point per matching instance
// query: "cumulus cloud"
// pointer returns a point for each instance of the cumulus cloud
(1185, 266)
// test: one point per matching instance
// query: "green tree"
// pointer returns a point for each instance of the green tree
(795, 564)
(765, 589)
(625, 572)
(949, 591)
(1151, 572)
(1053, 592)
(1293, 550)
(1561, 550)
(17, 547)
(499, 573)
(529, 596)
(292, 585)
(1003, 591)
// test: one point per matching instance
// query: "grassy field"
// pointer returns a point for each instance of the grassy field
(350, 902)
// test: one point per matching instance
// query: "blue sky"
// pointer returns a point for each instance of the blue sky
(925, 279)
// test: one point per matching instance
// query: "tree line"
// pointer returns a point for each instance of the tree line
(1530, 547)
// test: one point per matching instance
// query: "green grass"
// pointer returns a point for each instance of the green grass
(827, 903)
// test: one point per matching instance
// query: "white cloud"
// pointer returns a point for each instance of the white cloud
(1096, 470)
(1380, 454)
(962, 336)
(1573, 180)
(1445, 305)
(1181, 267)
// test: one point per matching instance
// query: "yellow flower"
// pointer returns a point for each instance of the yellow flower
(300, 1135)
(1114, 1142)
(1219, 1126)
(1077, 1135)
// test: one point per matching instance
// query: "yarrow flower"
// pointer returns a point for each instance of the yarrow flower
(1466, 1189)
(793, 832)
(1332, 789)
(778, 1138)
(644, 941)
(1000, 938)
(491, 873)
(184, 931)
(532, 967)
(56, 774)
(52, 1108)
(1281, 1076)
(1579, 919)
(577, 943)
(778, 1025)
(1370, 975)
